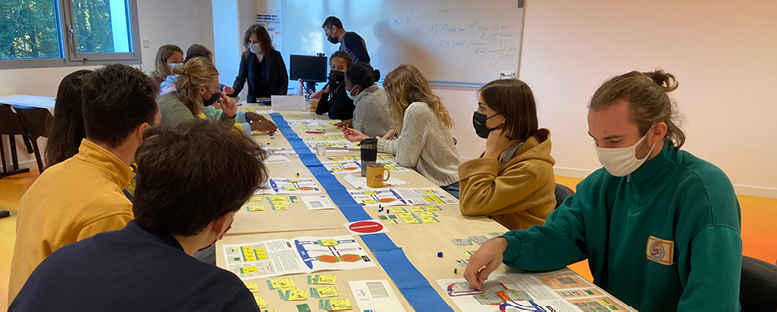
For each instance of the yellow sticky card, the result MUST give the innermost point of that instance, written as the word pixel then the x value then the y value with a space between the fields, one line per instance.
pixel 432 208
pixel 248 270
pixel 411 221
pixel 281 283
pixel 405 215
pixel 428 220
pixel 280 202
pixel 260 302
pixel 256 198
pixel 392 168
pixel 369 201
pixel 275 197
pixel 289 188
pixel 370 193
pixel 294 199
pixel 248 253
pixel 398 210
pixel 297 294
pixel 426 215
pixel 253 287
pixel 337 163
pixel 329 242
pixel 417 209
pixel 429 192
pixel 261 254
pixel 293 180
pixel 255 208
pixel 280 207
pixel 340 304
pixel 326 292
pixel 327 279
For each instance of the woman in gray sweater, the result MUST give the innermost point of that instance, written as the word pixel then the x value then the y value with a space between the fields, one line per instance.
pixel 423 138
pixel 372 115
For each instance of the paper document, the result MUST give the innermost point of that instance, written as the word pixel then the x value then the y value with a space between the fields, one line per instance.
pixel 361 182
pixel 561 290
pixel 318 202
pixel 375 295
pixel 298 255
pixel 288 103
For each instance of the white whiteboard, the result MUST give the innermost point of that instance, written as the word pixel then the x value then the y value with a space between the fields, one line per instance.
pixel 454 41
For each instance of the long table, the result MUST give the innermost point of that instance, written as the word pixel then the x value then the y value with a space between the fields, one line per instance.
pixel 421 243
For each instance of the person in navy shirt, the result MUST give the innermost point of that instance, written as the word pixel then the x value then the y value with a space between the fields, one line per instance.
pixel 184 202
pixel 350 42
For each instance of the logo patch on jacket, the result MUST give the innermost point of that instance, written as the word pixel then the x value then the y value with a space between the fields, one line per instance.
pixel 659 250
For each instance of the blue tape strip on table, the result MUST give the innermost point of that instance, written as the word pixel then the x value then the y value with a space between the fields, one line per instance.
pixel 378 241
pixel 413 285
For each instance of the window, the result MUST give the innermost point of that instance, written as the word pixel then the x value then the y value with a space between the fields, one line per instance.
pixel 42 33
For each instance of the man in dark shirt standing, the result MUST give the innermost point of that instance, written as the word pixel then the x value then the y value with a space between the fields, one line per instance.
pixel 350 42
pixel 184 202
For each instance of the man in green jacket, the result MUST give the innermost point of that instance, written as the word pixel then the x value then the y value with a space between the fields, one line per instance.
pixel 659 227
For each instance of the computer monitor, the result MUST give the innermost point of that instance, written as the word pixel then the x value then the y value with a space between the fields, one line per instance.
pixel 308 68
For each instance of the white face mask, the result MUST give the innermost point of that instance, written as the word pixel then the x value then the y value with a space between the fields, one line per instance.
pixel 622 161
pixel 255 48
pixel 174 65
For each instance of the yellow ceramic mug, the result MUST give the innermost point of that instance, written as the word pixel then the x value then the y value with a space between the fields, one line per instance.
pixel 375 175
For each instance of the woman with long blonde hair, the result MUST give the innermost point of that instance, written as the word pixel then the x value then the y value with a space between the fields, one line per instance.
pixel 421 127
pixel 195 87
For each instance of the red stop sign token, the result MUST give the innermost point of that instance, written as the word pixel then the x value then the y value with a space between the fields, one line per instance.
pixel 366 227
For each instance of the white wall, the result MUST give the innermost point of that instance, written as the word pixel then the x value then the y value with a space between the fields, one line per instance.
pixel 160 21
pixel 722 52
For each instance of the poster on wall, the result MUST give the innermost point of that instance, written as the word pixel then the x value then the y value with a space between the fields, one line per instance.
pixel 271 19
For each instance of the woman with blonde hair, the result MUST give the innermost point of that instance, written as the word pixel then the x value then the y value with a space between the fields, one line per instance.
pixel 167 57
pixel 422 129
pixel 195 87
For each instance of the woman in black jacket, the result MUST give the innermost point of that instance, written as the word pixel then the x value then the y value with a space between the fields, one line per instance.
pixel 262 65
pixel 334 97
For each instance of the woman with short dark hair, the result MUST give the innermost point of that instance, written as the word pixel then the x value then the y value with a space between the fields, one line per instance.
pixel 513 181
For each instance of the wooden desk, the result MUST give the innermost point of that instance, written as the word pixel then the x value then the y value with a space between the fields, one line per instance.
pixel 420 242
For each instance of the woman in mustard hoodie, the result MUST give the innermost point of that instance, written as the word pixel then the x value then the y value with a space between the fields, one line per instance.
pixel 513 181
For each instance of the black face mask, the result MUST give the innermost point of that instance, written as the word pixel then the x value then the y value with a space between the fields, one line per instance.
pixel 336 76
pixel 333 40
pixel 479 122
pixel 213 98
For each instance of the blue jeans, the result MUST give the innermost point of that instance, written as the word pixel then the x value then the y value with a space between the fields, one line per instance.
pixel 452 189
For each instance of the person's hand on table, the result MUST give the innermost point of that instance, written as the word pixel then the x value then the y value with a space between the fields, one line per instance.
pixel 496 143
pixel 484 261
pixel 255 117
pixel 353 135
pixel 263 125
pixel 228 105
pixel 389 135
pixel 345 123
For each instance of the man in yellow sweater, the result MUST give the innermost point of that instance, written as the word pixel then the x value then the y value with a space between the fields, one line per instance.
pixel 82 196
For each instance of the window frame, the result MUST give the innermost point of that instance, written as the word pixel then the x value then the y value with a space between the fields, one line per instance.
pixel 68 49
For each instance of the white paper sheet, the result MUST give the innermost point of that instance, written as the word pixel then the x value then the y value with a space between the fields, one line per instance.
pixel 318 202
pixel 288 103
pixel 299 255
pixel 361 182
pixel 376 295
pixel 560 290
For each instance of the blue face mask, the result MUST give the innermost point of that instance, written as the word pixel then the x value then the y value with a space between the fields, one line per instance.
pixel 352 96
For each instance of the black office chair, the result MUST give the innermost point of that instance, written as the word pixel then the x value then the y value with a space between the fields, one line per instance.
pixel 35 122
pixel 758 286
pixel 10 126
pixel 562 192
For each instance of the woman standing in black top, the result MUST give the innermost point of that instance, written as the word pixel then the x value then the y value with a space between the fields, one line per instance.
pixel 262 65
pixel 334 98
